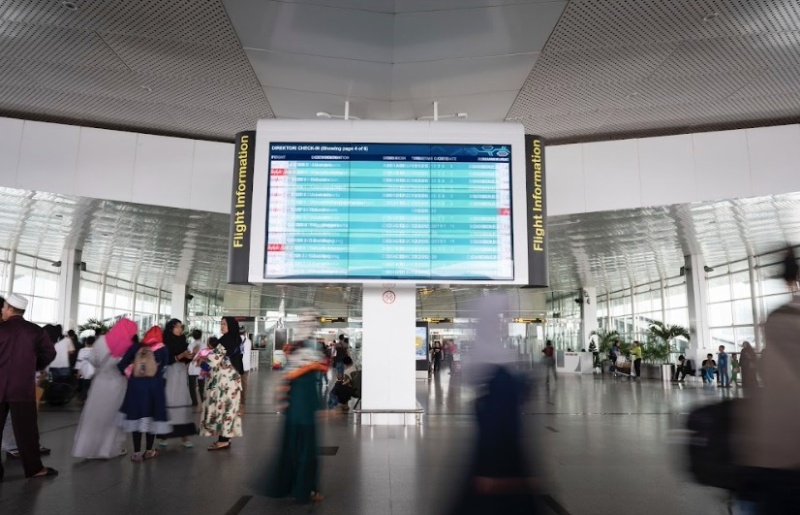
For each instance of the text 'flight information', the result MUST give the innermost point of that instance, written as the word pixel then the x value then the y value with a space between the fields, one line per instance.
pixel 389 211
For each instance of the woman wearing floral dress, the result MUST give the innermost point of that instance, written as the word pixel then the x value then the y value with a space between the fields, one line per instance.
pixel 221 416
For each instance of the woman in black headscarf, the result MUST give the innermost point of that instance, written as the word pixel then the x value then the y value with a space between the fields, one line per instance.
pixel 221 415
pixel 179 400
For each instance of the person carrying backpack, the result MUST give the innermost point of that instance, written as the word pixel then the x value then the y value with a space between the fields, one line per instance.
pixel 144 409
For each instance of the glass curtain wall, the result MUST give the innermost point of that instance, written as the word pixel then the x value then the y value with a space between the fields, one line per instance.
pixel 107 299
pixel 736 309
pixel 36 279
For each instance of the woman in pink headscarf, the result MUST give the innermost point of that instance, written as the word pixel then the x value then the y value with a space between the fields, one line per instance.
pixel 98 435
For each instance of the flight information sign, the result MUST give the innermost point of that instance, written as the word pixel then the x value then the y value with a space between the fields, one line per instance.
pixel 389 211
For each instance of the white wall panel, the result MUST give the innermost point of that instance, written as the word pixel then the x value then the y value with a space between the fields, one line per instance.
pixel 49 157
pixel 10 149
pixel 722 166
pixel 566 187
pixel 667 170
pixel 163 171
pixel 611 171
pixel 106 164
pixel 774 159
pixel 212 174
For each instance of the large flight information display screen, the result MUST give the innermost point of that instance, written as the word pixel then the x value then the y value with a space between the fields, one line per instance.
pixel 389 211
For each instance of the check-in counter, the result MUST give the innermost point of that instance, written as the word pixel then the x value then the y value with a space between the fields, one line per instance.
pixel 574 362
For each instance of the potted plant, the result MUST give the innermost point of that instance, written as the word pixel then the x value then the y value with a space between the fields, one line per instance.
pixel 661 336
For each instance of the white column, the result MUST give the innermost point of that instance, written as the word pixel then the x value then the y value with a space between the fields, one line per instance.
pixel 697 292
pixel 388 358
pixel 69 282
pixel 588 315
pixel 179 301
pixel 755 302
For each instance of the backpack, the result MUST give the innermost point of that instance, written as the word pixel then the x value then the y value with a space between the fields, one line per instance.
pixel 710 447
pixel 144 363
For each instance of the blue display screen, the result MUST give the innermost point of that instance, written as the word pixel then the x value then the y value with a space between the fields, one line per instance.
pixel 389 211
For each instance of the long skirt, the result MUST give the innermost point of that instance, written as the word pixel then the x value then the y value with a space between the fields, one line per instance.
pixel 179 402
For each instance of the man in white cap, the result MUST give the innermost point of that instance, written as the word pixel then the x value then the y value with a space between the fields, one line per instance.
pixel 24 349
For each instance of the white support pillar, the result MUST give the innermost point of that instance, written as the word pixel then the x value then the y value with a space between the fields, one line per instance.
pixel 179 301
pixel 755 302
pixel 388 355
pixel 69 282
pixel 697 292
pixel 588 315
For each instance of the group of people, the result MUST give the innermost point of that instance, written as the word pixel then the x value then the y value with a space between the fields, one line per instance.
pixel 141 387
pixel 146 390
pixel 725 371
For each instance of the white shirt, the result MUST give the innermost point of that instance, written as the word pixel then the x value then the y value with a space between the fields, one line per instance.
pixel 84 363
pixel 194 347
pixel 247 347
pixel 63 348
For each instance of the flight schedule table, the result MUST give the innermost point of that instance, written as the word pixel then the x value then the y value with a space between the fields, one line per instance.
pixel 405 211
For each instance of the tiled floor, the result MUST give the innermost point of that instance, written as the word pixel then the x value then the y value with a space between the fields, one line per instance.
pixel 602 446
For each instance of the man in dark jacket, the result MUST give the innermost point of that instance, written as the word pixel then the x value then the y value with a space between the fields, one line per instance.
pixel 24 349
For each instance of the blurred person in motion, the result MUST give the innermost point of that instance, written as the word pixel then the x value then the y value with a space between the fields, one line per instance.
pixel 98 435
pixel 549 361
pixel 221 409
pixel 772 419
pixel 247 354
pixel 144 409
pixel 296 471
pixel 749 366
pixel 499 478
pixel 735 369
pixel 179 400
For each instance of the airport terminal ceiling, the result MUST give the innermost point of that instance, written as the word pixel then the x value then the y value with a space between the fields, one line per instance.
pixel 610 250
pixel 569 71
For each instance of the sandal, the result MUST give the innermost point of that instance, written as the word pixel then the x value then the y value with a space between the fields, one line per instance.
pixel 317 497
pixel 187 444
pixel 44 451
pixel 47 472
pixel 218 446
pixel 136 457
pixel 13 454
pixel 149 455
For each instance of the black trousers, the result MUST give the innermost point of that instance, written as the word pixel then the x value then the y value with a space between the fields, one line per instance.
pixel 193 390
pixel 201 388
pixel 26 431
pixel 637 367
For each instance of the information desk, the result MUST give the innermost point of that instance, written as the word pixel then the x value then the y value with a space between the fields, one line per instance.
pixel 574 362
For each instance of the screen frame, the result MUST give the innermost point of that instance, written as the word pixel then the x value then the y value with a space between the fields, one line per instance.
pixel 387 132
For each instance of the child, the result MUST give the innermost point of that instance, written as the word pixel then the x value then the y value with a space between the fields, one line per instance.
pixel 85 369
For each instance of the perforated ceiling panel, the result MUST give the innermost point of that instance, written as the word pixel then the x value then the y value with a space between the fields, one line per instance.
pixel 618 68
pixel 173 66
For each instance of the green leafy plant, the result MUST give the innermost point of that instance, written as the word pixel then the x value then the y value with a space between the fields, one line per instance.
pixel 661 338
pixel 605 339
pixel 94 324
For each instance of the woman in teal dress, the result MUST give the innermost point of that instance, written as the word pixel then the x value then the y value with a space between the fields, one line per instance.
pixel 296 471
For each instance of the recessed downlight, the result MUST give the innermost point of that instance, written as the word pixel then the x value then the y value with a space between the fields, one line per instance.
pixel 710 17
pixel 146 88
pixel 72 6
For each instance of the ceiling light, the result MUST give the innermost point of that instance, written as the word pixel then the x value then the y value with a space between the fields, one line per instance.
pixel 72 6
pixel 632 95
pixel 710 17
pixel 146 88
